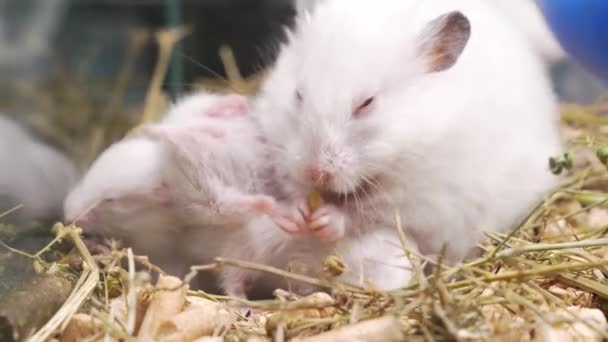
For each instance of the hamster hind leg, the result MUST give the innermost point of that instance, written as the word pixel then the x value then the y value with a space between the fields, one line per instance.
pixel 377 259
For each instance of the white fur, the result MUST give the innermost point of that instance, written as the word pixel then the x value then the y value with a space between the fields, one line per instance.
pixel 189 109
pixel 212 171
pixel 116 198
pixel 375 258
pixel 456 152
pixel 305 7
pixel 523 14
pixel 33 175
pixel 129 167
pixel 526 15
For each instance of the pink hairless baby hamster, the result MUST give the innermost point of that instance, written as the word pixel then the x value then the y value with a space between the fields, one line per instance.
pixel 434 110
pixel 187 171
pixel 219 180
pixel 218 162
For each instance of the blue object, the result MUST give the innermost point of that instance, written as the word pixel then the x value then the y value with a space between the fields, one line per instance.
pixel 581 26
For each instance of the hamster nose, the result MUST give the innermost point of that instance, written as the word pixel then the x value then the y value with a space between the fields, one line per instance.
pixel 317 175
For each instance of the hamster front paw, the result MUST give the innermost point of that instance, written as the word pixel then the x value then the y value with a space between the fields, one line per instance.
pixel 293 223
pixel 327 223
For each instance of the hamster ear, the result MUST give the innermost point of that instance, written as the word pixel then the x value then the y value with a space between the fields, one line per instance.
pixel 443 40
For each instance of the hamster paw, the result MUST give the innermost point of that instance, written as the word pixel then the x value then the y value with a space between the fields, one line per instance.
pixel 287 224
pixel 293 222
pixel 327 223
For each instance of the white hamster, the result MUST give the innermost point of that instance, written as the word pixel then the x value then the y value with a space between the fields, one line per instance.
pixel 436 109
pixel 34 175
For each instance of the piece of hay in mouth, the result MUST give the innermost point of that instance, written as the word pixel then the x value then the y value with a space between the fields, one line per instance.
pixel 314 199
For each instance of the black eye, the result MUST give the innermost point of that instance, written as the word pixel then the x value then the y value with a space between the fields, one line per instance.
pixel 299 96
pixel 361 108
pixel 367 102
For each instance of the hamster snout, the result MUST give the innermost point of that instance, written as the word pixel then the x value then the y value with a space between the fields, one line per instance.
pixel 333 168
pixel 340 187
pixel 317 176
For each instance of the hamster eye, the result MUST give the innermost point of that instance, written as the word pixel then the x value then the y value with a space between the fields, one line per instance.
pixel 361 109
pixel 299 96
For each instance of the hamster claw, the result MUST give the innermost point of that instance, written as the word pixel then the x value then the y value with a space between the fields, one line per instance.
pixel 287 225
pixel 327 224
pixel 305 211
pixel 293 224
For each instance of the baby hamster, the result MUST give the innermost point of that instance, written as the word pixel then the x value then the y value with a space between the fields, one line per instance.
pixel 218 161
pixel 154 186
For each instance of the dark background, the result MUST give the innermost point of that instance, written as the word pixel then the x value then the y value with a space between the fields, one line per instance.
pixel 253 28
